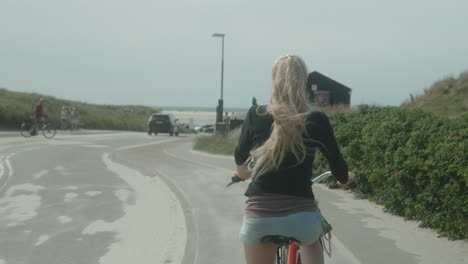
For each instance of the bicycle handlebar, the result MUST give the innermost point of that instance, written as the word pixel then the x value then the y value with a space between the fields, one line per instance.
pixel 324 175
pixel 236 179
pixel 321 176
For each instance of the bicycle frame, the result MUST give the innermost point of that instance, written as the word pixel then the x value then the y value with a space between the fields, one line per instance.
pixel 32 127
pixel 293 248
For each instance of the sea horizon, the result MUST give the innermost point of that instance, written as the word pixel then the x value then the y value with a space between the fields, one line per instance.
pixel 200 115
pixel 201 108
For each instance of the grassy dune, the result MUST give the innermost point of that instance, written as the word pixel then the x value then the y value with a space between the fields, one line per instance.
pixel 446 97
pixel 17 106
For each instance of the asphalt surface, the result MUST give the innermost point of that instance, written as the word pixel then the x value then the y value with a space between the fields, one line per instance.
pixel 129 197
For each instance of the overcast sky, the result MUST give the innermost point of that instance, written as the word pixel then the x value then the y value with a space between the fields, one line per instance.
pixel 161 53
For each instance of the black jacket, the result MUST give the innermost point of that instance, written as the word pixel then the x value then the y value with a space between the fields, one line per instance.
pixel 290 178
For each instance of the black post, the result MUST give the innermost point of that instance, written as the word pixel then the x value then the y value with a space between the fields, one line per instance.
pixel 220 108
pixel 220 103
pixel 219 111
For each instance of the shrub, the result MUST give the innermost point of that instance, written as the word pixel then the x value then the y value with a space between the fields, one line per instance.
pixel 410 161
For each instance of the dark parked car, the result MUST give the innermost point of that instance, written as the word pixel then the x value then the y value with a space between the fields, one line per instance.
pixel 162 123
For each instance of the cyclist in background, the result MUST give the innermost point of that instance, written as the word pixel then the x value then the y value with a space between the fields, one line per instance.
pixel 280 139
pixel 38 114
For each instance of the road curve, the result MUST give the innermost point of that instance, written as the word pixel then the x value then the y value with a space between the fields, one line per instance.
pixel 129 197
pixel 363 232
pixel 66 201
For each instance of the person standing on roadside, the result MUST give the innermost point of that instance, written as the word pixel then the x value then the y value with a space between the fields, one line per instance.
pixel 254 101
pixel 74 119
pixel 64 118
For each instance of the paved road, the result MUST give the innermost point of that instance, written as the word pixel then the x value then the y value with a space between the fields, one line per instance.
pixel 131 198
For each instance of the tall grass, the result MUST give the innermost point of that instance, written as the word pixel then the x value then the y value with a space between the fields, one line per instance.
pixel 218 144
pixel 446 97
pixel 17 106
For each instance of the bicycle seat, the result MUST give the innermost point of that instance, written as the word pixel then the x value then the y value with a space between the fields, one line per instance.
pixel 279 240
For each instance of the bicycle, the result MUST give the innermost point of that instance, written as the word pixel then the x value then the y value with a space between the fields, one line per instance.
pixel 29 128
pixel 288 251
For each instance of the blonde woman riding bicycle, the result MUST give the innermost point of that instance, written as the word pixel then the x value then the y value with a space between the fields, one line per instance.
pixel 280 140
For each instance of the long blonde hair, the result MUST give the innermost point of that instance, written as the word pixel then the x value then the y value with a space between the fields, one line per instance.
pixel 289 107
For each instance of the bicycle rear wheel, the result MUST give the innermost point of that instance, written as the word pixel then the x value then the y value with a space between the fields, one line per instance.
pixel 48 131
pixel 26 129
pixel 293 254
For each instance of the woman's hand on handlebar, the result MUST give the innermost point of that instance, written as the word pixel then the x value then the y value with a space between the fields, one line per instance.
pixel 243 172
pixel 234 179
pixel 351 180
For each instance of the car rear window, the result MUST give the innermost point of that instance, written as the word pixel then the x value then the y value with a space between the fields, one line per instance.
pixel 160 118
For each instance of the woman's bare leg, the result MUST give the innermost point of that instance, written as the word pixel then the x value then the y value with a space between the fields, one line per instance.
pixel 312 254
pixel 263 253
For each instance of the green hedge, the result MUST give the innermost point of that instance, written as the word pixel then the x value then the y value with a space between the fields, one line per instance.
pixel 412 162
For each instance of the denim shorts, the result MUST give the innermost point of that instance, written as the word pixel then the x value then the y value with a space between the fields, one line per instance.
pixel 304 226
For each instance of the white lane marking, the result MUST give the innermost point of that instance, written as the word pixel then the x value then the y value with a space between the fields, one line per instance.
pixel 59 168
pixel 62 170
pixel 98 227
pixel 40 174
pixel 93 193
pixel 26 187
pixel 8 164
pixel 20 203
pixel 141 229
pixel 63 219
pixel 175 185
pixel 2 169
pixel 41 240
pixel 70 197
pixel 6 160
pixel 95 146
pixel 197 229
pixel 122 194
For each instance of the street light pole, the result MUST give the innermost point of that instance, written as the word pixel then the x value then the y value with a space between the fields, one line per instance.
pixel 222 67
pixel 219 109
